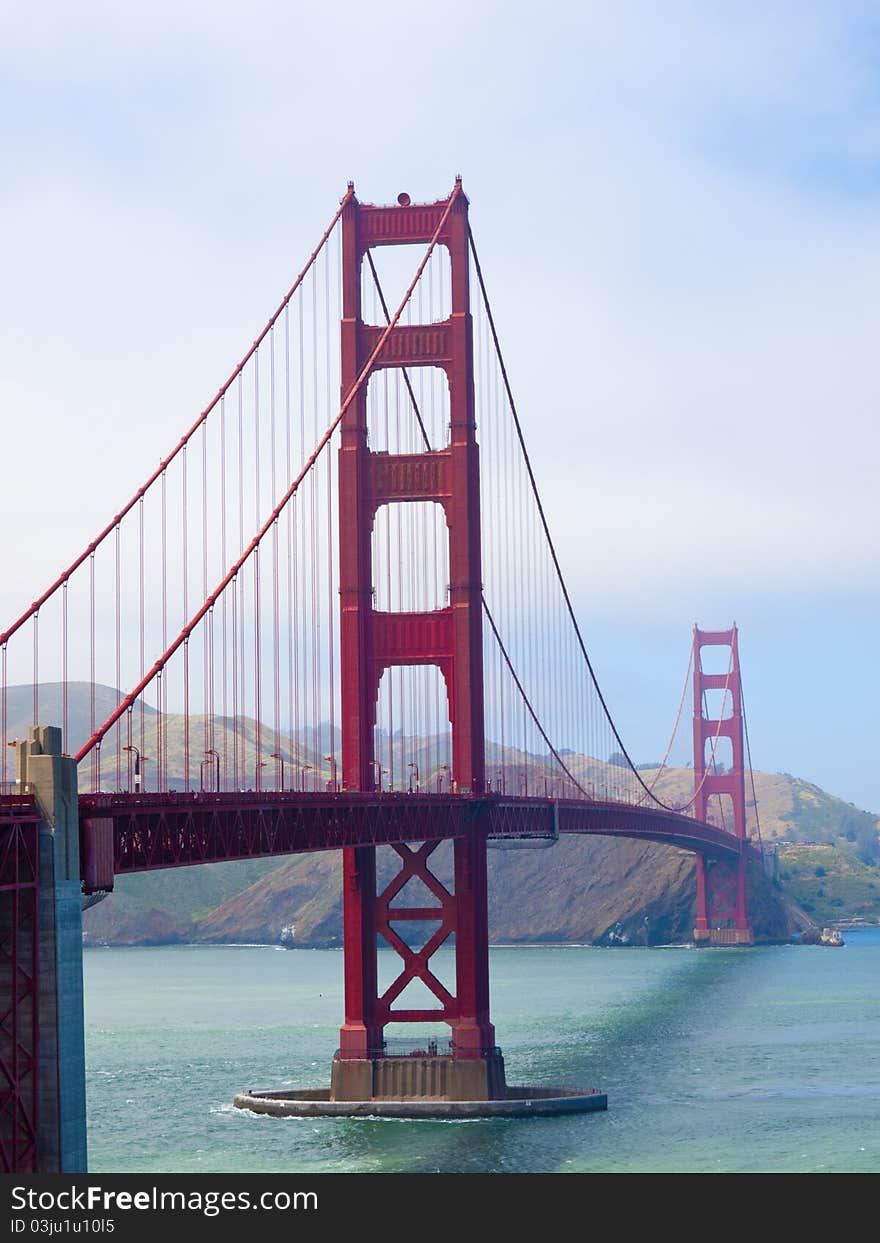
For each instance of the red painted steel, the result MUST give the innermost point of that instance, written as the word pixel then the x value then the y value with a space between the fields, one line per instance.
pixel 722 899
pixel 449 638
pixel 19 966
pixel 408 477
pixel 151 831
pixel 97 852
pixel 415 864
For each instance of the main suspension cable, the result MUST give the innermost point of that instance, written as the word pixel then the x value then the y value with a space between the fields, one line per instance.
pixel 527 702
pixel 546 528
pixel 662 766
pixel 160 470
pixel 233 572
pixel 751 769
pixel 489 617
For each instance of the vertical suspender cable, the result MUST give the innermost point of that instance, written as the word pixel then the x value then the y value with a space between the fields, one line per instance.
pixel 185 542
pixel 331 629
pixel 65 715
pixel 223 619
pixel 4 740
pixel 161 693
pixel 313 532
pixel 294 758
pixel 92 721
pixel 141 620
pixel 206 638
pixel 276 642
pixel 299 585
pixel 36 668
pixel 258 673
pixel 241 777
pixel 93 743
pixel 118 619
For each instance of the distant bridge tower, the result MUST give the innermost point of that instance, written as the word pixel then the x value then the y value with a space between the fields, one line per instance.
pixel 449 638
pixel 722 900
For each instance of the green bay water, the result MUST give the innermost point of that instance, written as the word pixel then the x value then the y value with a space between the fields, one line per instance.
pixel 763 1059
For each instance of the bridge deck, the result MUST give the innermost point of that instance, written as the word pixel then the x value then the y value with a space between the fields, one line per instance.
pixel 136 833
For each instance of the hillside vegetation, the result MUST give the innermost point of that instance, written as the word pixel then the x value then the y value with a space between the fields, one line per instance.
pixel 831 883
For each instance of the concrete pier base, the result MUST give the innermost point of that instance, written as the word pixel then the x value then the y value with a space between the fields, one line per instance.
pixel 437 1086
pixel 401 1078
pixel 520 1102
pixel 723 936
pixel 61 1075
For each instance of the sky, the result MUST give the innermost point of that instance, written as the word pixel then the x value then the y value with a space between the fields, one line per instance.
pixel 676 209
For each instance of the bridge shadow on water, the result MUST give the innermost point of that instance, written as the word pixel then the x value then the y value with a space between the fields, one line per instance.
pixel 633 1040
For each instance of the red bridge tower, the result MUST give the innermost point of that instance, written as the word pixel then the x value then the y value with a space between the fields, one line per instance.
pixel 373 641
pixel 722 910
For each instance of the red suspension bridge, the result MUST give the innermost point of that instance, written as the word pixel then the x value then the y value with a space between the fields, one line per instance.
pixel 342 622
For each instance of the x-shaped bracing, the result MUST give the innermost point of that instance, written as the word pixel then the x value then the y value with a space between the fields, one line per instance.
pixel 415 962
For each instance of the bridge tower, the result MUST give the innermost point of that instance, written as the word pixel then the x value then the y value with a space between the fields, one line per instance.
pixel 449 638
pixel 722 898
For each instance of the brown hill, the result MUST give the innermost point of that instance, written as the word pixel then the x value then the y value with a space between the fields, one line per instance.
pixel 597 890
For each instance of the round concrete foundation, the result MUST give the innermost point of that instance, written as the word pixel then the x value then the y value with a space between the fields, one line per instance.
pixel 518 1103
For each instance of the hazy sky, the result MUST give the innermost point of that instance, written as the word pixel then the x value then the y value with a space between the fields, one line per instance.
pixel 677 212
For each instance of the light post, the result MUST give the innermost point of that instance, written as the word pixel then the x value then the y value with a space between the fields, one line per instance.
pixel 306 768
pixel 444 768
pixel 215 755
pixel 261 764
pixel 415 773
pixel 332 761
pixel 379 771
pixel 280 759
pixel 137 767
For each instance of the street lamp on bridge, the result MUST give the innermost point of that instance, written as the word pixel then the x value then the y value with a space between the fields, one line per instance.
pixel 332 761
pixel 280 759
pixel 306 768
pixel 138 760
pixel 215 755
pixel 415 773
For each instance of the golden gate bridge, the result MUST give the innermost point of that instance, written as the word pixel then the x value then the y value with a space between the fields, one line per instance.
pixel 346 551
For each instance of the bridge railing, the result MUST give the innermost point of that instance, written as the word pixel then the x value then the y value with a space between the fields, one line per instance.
pixel 10 790
pixel 417 1048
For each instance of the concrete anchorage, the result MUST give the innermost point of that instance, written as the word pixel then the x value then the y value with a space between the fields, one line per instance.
pixel 62 1082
